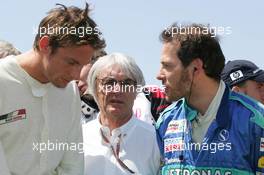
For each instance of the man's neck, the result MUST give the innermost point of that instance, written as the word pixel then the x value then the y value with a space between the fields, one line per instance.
pixel 113 122
pixel 31 62
pixel 203 95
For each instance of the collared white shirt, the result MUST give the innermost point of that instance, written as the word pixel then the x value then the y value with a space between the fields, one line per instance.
pixel 138 148
pixel 35 118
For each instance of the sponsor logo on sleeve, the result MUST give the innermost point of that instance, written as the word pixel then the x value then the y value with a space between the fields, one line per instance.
pixel 177 126
pixel 173 144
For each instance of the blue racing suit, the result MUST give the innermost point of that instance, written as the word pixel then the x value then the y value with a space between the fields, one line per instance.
pixel 233 144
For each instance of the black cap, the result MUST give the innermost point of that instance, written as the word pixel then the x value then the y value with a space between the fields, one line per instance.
pixel 238 71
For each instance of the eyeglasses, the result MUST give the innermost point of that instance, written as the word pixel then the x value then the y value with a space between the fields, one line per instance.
pixel 109 83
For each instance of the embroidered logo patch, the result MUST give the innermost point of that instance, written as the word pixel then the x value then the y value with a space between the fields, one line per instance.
pixel 173 144
pixel 13 116
pixel 177 126
pixel 223 135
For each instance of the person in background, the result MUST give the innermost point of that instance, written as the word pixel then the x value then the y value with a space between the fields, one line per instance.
pixel 208 129
pixel 244 77
pixel 89 106
pixel 40 131
pixel 7 49
pixel 115 142
pixel 82 82
pixel 150 103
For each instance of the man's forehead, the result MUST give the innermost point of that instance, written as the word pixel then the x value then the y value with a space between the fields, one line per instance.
pixel 81 54
pixel 110 72
pixel 169 51
pixel 170 48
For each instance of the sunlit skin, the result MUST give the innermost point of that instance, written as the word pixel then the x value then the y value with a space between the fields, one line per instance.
pixel 188 82
pixel 115 106
pixel 58 68
pixel 251 88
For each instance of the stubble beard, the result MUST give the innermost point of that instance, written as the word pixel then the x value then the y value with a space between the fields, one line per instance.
pixel 183 86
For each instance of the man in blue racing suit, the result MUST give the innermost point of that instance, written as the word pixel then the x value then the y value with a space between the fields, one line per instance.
pixel 209 130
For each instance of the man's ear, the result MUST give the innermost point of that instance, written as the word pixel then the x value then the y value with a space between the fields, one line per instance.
pixel 236 89
pixel 197 65
pixel 44 44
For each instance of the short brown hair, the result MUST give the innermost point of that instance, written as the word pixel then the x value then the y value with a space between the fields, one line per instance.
pixel 64 25
pixel 197 42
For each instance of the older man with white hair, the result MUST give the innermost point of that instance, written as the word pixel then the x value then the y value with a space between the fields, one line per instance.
pixel 118 143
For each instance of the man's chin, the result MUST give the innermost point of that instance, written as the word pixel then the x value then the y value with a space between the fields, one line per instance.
pixel 167 98
pixel 114 110
pixel 60 85
pixel 171 98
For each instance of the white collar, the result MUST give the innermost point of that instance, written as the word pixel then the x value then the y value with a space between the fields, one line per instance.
pixel 123 130
pixel 38 89
pixel 214 105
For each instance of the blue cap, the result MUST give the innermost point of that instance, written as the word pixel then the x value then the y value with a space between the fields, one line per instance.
pixel 238 71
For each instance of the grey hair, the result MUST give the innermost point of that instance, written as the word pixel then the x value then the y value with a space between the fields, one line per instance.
pixel 127 64
pixel 7 48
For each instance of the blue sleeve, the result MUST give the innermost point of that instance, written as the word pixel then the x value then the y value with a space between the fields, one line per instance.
pixel 159 135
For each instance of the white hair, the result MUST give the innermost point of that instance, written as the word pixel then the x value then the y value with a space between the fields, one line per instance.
pixel 127 64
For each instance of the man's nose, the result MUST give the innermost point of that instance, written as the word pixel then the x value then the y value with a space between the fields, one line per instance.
pixel 117 87
pixel 160 76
